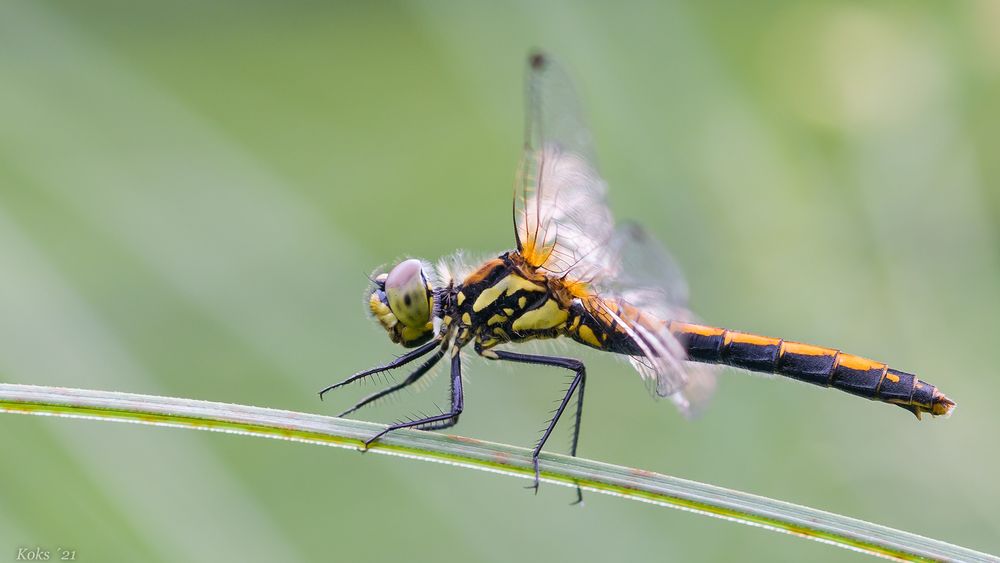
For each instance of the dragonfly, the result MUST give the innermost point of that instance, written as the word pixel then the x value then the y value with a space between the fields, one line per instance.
pixel 575 274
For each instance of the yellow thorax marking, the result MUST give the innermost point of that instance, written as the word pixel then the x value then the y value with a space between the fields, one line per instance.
pixel 496 319
pixel 547 316
pixel 511 284
pixel 588 336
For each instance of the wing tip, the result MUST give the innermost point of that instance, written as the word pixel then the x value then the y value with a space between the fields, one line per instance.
pixel 538 60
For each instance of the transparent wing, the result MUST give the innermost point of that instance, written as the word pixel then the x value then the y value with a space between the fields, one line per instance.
pixel 645 273
pixel 563 226
pixel 646 277
pixel 561 221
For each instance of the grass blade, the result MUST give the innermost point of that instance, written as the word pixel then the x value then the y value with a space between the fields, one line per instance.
pixel 595 476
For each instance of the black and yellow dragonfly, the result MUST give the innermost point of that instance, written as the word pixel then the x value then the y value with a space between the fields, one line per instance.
pixel 576 274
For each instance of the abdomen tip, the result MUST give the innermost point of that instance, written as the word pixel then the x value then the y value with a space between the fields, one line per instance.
pixel 942 406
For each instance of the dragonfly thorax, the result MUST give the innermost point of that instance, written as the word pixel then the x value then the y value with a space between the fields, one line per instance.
pixel 504 301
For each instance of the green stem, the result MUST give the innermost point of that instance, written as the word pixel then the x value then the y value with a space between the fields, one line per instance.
pixel 629 483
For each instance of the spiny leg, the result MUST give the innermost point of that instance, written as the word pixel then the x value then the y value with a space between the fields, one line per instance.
pixel 576 426
pixel 410 380
pixel 578 381
pixel 400 361
pixel 443 420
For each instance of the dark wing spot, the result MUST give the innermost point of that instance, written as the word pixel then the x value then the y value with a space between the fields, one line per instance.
pixel 537 60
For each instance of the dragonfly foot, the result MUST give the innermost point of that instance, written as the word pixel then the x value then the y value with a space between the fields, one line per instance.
pixel 534 485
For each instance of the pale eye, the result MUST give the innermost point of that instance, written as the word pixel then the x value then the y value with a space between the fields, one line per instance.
pixel 406 289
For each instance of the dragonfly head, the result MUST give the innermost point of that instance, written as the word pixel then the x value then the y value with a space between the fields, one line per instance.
pixel 402 301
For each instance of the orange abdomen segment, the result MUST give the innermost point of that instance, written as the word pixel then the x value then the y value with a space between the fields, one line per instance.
pixel 813 364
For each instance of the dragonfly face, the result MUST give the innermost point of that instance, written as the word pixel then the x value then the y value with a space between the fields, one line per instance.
pixel 402 301
pixel 574 274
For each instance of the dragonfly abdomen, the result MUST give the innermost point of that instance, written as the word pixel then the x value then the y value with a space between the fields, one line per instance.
pixel 812 364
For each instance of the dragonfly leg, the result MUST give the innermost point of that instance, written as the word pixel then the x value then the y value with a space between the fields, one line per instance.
pixel 582 375
pixel 579 382
pixel 443 420
pixel 410 380
pixel 400 361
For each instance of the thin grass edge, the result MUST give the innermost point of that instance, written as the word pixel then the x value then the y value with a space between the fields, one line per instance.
pixel 634 484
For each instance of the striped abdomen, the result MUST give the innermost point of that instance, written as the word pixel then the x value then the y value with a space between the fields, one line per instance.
pixel 812 364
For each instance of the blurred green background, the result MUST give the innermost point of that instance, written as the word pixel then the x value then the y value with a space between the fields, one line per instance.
pixel 191 195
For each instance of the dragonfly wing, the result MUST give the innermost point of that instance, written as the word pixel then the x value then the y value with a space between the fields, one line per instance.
pixel 645 276
pixel 563 227
pixel 562 223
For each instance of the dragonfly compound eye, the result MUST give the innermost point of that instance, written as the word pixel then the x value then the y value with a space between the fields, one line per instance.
pixel 408 294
